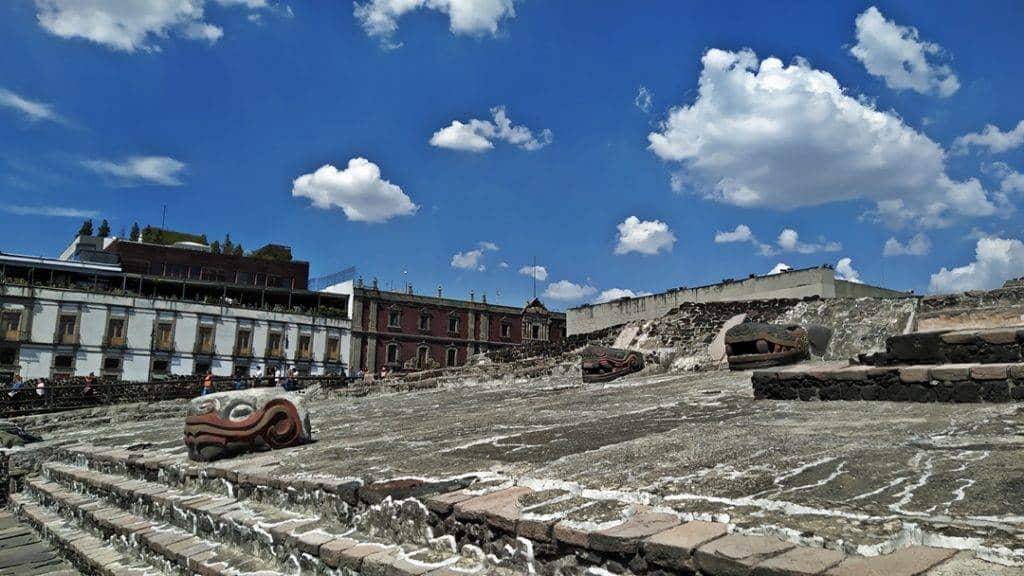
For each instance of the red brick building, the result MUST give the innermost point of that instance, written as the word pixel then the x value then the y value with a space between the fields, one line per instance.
pixel 406 331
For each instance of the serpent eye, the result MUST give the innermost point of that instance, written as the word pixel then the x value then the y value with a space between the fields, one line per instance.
pixel 240 412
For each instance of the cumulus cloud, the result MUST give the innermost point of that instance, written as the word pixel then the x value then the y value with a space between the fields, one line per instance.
pixel 136 170
pixel 845 271
pixel 358 190
pixel 780 268
pixel 897 54
pixel 643 100
pixel 644 236
pixel 538 272
pixel 993 138
pixel 565 290
pixel 742 233
pixel 53 211
pixel 919 245
pixel 473 259
pixel 995 261
pixel 617 293
pixel 789 241
pixel 379 18
pixel 31 109
pixel 480 135
pixel 763 134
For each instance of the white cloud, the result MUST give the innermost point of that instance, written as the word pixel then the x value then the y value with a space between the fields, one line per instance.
pixel 379 18
pixel 643 100
pixel 789 241
pixel 617 293
pixel 742 233
pixel 644 236
pixel 140 170
pixel 480 135
pixel 473 259
pixel 845 271
pixel 993 138
pixel 469 260
pixel 780 268
pixel 996 260
pixel 54 211
pixel 358 190
pixel 896 54
pixel 31 109
pixel 565 290
pixel 503 265
pixel 919 245
pixel 762 134
pixel 538 272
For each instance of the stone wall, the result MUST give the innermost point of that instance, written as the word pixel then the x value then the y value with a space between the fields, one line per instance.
pixel 975 309
pixel 939 383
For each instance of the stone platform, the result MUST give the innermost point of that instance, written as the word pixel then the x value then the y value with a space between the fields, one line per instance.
pixel 642 475
pixel 918 383
pixel 981 346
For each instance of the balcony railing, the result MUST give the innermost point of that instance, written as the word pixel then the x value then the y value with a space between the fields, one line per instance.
pixel 204 348
pixel 115 342
pixel 12 335
pixel 67 339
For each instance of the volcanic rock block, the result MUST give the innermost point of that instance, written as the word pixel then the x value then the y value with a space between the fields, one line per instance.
pixel 227 424
pixel 601 364
pixel 12 435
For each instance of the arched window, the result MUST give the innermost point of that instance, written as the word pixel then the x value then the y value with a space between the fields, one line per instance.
pixel 452 357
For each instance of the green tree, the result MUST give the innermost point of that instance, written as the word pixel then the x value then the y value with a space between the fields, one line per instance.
pixel 215 247
pixel 229 247
pixel 135 232
pixel 238 250
pixel 104 230
pixel 86 229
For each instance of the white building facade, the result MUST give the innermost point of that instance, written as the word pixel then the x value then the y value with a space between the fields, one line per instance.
pixel 50 332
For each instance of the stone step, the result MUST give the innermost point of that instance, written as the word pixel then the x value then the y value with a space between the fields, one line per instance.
pixel 278 537
pixel 974 346
pixel 916 383
pixel 160 544
pixel 24 552
pixel 89 553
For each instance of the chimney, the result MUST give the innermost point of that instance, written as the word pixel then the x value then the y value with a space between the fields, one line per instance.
pixel 472 296
pixel 439 291
pixel 374 282
pixel 484 300
pixel 408 288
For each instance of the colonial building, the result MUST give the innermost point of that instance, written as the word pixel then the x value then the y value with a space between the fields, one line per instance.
pixel 137 312
pixel 406 331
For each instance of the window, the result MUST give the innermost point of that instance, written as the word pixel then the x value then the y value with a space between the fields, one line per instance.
pixel 111 364
pixel 305 346
pixel 66 328
pixel 275 344
pixel 424 322
pixel 243 342
pixel 241 371
pixel 161 367
pixel 535 331
pixel 63 365
pixel 202 368
pixel 333 349
pixel 115 332
pixel 506 330
pixel 422 353
pixel 392 354
pixel 244 278
pixel 10 324
pixel 394 319
pixel 204 339
pixel 8 356
pixel 453 324
pixel 164 339
pixel 452 357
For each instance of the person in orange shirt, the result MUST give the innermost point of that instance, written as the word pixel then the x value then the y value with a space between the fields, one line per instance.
pixel 207 383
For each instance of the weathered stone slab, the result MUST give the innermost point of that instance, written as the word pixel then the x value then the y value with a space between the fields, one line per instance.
pixel 625 538
pixel 990 371
pixel 443 503
pixel 915 374
pixel 800 561
pixel 951 372
pixel 906 562
pixel 330 552
pixel 1005 336
pixel 737 555
pixel 352 558
pixel 499 509
pixel 674 548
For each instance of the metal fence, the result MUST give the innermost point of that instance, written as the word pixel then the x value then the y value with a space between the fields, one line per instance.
pixel 57 396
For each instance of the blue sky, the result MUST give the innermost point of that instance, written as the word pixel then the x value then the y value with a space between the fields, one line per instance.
pixel 218 108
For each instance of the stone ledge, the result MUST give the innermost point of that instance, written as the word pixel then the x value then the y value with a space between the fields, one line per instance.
pixel 906 562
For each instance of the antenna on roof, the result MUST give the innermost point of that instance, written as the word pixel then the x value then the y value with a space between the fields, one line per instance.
pixel 163 218
pixel 534 277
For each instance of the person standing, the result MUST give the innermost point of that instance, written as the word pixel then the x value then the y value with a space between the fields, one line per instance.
pixel 207 383
pixel 258 376
pixel 88 389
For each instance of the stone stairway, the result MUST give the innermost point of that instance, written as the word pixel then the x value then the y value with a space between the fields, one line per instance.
pixel 109 520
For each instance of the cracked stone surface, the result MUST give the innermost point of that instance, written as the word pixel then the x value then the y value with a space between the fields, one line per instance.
pixel 861 477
